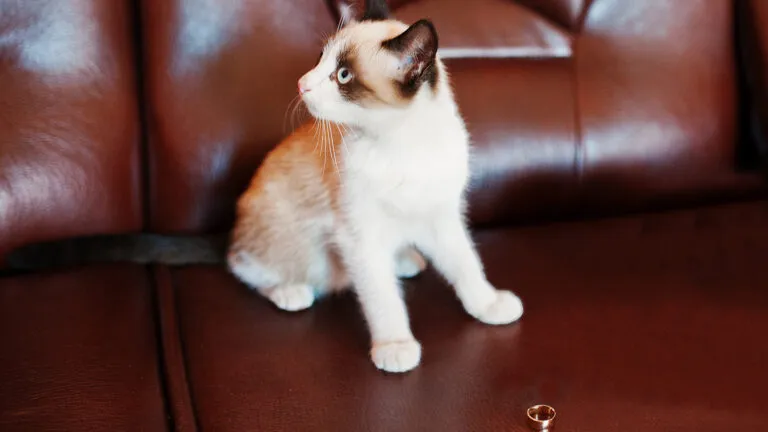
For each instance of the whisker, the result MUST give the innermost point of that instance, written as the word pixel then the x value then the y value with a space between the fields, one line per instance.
pixel 297 109
pixel 324 149
pixel 285 116
pixel 328 146
pixel 343 131
pixel 346 149
pixel 331 147
pixel 314 128
pixel 334 148
pixel 324 36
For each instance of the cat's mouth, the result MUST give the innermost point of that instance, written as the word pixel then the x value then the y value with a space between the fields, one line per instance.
pixel 313 109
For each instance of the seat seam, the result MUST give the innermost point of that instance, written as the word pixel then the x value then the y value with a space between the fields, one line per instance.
pixel 181 407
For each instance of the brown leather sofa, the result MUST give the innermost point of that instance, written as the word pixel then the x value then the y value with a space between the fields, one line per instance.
pixel 617 192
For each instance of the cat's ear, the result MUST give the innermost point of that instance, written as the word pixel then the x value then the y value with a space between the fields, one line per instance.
pixel 375 10
pixel 415 50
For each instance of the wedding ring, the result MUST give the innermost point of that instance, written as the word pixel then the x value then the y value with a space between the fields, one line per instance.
pixel 541 417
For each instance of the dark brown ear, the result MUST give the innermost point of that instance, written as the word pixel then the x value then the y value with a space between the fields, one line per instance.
pixel 375 10
pixel 416 49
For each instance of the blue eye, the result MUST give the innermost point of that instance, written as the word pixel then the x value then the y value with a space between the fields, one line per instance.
pixel 343 75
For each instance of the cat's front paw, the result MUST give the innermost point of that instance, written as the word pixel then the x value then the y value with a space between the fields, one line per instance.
pixel 505 309
pixel 396 356
pixel 292 298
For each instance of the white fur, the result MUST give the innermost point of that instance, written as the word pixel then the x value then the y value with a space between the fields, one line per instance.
pixel 404 184
pixel 404 171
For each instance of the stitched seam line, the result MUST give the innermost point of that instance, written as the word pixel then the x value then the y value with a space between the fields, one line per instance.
pixel 182 405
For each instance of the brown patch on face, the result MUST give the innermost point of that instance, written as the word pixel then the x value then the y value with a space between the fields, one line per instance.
pixel 356 90
pixel 375 54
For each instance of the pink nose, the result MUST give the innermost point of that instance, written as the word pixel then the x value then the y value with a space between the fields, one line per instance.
pixel 302 87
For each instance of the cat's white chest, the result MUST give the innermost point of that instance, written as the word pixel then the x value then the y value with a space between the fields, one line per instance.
pixel 412 176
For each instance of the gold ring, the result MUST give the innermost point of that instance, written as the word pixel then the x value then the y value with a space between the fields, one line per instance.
pixel 541 417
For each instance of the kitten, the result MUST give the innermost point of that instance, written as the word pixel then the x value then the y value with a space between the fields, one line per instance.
pixel 355 203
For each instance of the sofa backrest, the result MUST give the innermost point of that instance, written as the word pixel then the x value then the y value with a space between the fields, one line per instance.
pixel 130 115
pixel 753 44
pixel 574 105
pixel 69 123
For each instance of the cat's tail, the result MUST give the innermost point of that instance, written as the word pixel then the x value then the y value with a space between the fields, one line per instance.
pixel 129 248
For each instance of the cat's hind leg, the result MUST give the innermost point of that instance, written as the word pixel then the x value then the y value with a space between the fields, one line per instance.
pixel 409 263
pixel 291 297
pixel 287 296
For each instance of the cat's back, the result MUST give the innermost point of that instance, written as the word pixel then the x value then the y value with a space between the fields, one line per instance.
pixel 296 174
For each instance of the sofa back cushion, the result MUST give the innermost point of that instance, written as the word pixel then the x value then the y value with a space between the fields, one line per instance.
pixel 575 106
pixel 753 44
pixel 69 130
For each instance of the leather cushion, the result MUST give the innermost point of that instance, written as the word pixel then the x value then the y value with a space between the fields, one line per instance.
pixel 220 77
pixel 657 103
pixel 79 352
pixel 69 133
pixel 567 13
pixel 567 119
pixel 633 324
pixel 753 41
pixel 489 29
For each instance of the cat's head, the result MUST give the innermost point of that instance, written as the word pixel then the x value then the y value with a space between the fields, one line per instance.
pixel 373 67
